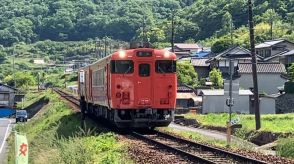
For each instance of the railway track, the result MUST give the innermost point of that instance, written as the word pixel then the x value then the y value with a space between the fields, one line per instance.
pixel 197 152
pixel 68 96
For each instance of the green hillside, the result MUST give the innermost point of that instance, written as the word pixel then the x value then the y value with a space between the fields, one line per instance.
pixel 72 20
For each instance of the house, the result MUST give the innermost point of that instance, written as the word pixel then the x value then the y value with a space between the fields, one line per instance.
pixel 287 58
pixel 273 47
pixel 214 101
pixel 269 76
pixel 186 97
pixel 7 95
pixel 185 49
pixel 277 103
pixel 201 67
pixel 39 61
pixel 222 60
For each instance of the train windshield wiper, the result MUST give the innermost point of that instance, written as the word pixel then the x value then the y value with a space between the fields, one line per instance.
pixel 128 70
pixel 160 69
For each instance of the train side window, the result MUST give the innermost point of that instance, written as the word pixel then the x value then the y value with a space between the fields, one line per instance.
pixel 122 66
pixel 165 66
pixel 144 70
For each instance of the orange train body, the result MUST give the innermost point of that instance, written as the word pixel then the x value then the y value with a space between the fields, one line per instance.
pixel 131 88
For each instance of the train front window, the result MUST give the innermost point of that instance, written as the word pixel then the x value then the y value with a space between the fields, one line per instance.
pixel 122 66
pixel 165 66
pixel 144 70
pixel 144 54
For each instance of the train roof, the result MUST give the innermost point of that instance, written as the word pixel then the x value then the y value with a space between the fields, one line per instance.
pixel 115 55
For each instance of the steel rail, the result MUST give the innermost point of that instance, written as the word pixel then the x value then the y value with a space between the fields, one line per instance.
pixel 212 149
pixel 216 151
pixel 67 96
pixel 190 156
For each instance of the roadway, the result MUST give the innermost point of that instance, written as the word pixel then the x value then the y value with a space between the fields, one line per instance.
pixel 5 129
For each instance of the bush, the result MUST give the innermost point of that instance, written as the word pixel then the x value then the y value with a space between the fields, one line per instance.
pixel 289 87
pixel 285 147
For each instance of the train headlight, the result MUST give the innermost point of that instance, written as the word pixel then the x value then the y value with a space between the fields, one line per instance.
pixel 166 54
pixel 122 54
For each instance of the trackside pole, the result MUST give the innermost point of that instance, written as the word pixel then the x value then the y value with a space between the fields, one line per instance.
pixel 83 111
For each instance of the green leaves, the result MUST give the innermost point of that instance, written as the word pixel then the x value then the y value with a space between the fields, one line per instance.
pixel 291 72
pixel 186 74
pixel 216 78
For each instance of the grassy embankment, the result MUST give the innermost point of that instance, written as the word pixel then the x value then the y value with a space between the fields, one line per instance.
pixel 279 124
pixel 207 140
pixel 54 136
pixel 29 99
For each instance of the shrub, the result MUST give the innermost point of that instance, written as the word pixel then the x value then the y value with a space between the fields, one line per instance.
pixel 285 147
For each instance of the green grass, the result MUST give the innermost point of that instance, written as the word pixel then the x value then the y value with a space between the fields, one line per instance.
pixel 285 147
pixel 29 99
pixel 207 140
pixel 55 136
pixel 279 123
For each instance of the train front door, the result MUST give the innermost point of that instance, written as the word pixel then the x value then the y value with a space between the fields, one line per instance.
pixel 144 84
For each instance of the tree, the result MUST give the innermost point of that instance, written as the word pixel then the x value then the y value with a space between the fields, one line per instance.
pixel 23 80
pixel 220 46
pixel 186 74
pixel 216 78
pixel 291 72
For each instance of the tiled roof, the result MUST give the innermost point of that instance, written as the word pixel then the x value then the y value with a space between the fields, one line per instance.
pixel 186 95
pixel 7 86
pixel 183 88
pixel 220 92
pixel 200 62
pixel 274 56
pixel 289 53
pixel 233 52
pixel 269 43
pixel 186 46
pixel 262 68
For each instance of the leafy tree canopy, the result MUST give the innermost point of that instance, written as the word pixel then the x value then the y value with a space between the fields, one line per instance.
pixel 186 74
pixel 63 20
pixel 23 80
pixel 291 72
pixel 216 78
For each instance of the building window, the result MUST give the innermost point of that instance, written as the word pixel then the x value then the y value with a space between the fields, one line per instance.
pixel 4 97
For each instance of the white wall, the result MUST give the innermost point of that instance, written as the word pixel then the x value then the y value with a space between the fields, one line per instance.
pixel 267 83
pixel 217 104
pixel 267 105
pixel 213 104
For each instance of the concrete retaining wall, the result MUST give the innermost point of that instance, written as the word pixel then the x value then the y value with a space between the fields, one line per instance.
pixel 35 107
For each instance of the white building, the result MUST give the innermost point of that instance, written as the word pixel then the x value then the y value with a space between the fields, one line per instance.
pixel 269 76
pixel 214 101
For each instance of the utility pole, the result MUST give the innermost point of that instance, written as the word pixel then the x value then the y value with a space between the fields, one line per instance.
pixel 13 70
pixel 231 31
pixel 271 24
pixel 144 30
pixel 231 87
pixel 105 46
pixel 38 81
pixel 96 48
pixel 173 32
pixel 254 66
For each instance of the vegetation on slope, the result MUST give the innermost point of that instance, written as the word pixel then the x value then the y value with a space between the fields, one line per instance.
pixel 285 147
pixel 55 136
pixel 282 123
pixel 63 20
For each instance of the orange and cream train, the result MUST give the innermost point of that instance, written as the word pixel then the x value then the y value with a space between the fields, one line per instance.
pixel 133 88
